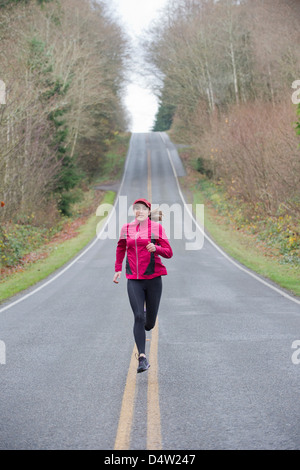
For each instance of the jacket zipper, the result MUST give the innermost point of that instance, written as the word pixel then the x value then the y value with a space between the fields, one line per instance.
pixel 137 256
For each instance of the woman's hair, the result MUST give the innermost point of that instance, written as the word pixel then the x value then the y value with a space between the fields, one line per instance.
pixel 156 215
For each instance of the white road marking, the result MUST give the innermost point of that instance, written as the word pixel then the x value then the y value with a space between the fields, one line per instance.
pixel 60 273
pixel 276 289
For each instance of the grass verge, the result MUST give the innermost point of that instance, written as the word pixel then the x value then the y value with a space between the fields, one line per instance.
pixel 58 255
pixel 49 249
pixel 244 247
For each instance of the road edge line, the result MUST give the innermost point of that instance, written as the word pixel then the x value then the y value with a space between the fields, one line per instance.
pixel 246 270
pixel 96 239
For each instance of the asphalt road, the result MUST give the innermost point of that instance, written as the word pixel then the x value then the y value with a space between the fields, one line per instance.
pixel 222 375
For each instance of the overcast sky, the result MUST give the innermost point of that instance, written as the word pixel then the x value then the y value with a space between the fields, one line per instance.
pixel 137 15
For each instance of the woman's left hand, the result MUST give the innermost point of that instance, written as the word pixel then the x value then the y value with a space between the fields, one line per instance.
pixel 151 247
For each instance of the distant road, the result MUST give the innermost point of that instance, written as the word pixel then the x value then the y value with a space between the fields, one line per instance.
pixel 223 371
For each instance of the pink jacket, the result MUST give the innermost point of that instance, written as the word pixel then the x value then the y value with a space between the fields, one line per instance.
pixel 140 264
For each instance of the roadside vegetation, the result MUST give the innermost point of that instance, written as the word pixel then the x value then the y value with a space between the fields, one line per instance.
pixel 32 252
pixel 62 125
pixel 226 71
pixel 52 255
pixel 267 246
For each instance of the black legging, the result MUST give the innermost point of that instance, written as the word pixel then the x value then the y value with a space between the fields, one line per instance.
pixel 140 291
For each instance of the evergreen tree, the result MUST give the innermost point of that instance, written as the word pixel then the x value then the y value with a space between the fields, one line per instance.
pixel 164 117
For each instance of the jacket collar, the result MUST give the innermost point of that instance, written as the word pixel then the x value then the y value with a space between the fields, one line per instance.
pixel 142 224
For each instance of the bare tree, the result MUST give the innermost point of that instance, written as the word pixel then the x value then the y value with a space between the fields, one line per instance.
pixel 63 66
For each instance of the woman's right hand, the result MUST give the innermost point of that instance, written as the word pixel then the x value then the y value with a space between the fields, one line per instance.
pixel 117 277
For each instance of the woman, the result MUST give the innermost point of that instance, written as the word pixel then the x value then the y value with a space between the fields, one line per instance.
pixel 145 241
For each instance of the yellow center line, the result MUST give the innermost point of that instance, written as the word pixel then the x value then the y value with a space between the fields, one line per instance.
pixel 153 417
pixel 153 409
pixel 122 441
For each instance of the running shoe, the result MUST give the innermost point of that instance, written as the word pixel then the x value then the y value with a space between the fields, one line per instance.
pixel 143 364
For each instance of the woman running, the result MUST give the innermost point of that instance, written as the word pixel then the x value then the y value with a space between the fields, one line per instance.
pixel 145 241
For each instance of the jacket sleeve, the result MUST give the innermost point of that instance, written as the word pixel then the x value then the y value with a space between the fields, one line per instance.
pixel 121 249
pixel 163 248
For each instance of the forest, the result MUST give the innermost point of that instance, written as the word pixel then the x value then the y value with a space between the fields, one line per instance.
pixel 225 73
pixel 63 67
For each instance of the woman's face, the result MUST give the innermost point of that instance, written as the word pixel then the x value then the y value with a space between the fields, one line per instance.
pixel 141 212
